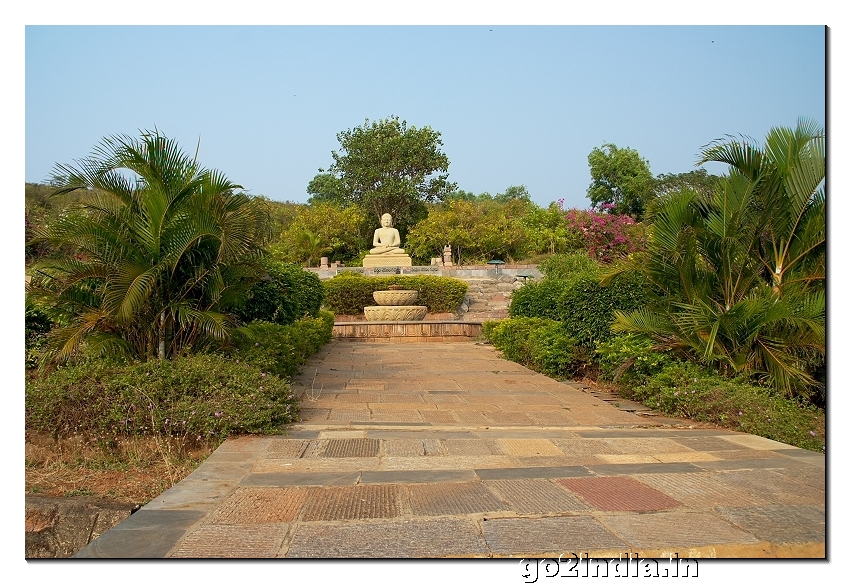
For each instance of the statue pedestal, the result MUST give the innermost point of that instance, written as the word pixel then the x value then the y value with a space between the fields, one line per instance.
pixel 393 260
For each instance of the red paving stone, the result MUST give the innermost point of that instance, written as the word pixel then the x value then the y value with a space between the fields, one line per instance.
pixel 616 493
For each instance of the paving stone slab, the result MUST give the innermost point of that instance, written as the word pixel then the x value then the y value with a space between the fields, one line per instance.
pixel 619 493
pixel 656 468
pixel 338 464
pixel 453 498
pixel 187 496
pixel 400 417
pixel 259 505
pixel 772 487
pixel 473 447
pixel 419 434
pixel 812 477
pixel 756 441
pixel 278 479
pixel 531 472
pixel 811 457
pixel 421 538
pixel 645 445
pixel 145 534
pixel 447 462
pixel 438 416
pixel 532 537
pixel 402 447
pixel 286 448
pixel 708 443
pixel 349 415
pixel 777 462
pixel 507 417
pixel 353 502
pixel 782 523
pixel 699 490
pixel 357 447
pixel 584 447
pixel 416 476
pixel 528 447
pixel 537 497
pixel 254 541
pixel 676 530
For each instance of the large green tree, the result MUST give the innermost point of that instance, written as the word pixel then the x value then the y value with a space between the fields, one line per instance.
pixel 162 249
pixel 621 181
pixel 740 271
pixel 387 167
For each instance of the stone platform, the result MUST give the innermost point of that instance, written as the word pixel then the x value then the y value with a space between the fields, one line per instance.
pixel 423 450
pixel 394 260
pixel 419 331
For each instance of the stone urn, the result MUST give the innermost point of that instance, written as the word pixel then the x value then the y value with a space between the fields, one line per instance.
pixel 395 305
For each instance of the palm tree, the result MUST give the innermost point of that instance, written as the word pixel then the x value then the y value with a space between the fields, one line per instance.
pixel 740 272
pixel 163 248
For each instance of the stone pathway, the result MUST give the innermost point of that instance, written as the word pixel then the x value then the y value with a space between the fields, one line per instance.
pixel 436 450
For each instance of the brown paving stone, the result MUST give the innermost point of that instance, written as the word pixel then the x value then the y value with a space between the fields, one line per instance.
pixel 648 446
pixel 458 408
pixel 402 447
pixel 551 417
pixel 771 487
pixel 507 418
pixel 357 398
pixel 314 464
pixel 780 523
pixel 440 398
pixel 420 538
pixel 433 447
pixel 353 502
pixel 349 415
pixel 746 454
pixel 365 385
pixel 446 462
pixel 314 415
pixel 528 447
pixel 245 444
pixel 473 417
pixel 619 493
pixel 537 497
pixel 259 505
pixel 471 447
pixel 676 530
pixel 708 443
pixel 545 536
pixel 812 477
pixel 453 498
pixel 396 416
pixel 438 416
pixel 561 460
pixel 698 490
pixel 584 447
pixel 358 447
pixel 286 448
pixel 402 398
pixel 253 541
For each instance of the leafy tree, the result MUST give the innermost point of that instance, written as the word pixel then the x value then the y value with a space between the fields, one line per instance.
pixel 513 193
pixel 168 246
pixel 386 167
pixel 621 181
pixel 343 233
pixel 741 271
pixel 698 180
pixel 326 187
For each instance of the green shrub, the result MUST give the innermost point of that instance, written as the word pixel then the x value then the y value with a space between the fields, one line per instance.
pixel 629 358
pixel 36 325
pixel 281 350
pixel 197 398
pixel 350 292
pixel 585 306
pixel 567 266
pixel 543 345
pixel 685 389
pixel 286 294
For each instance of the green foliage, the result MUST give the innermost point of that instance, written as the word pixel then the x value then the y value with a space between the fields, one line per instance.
pixel 36 326
pixel 349 293
pixel 740 273
pixel 630 359
pixel 568 266
pixel 580 302
pixel 543 345
pixel 477 231
pixel 281 350
pixel 621 181
pixel 285 294
pixel 202 398
pixel 326 188
pixel 687 390
pixel 163 248
pixel 699 180
pixel 319 228
pixel 386 167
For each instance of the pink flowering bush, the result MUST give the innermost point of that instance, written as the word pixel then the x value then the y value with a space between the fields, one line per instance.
pixel 606 236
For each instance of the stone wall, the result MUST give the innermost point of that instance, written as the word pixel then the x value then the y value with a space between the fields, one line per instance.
pixel 59 527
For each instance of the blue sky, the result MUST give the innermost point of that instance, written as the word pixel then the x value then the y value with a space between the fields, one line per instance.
pixel 514 104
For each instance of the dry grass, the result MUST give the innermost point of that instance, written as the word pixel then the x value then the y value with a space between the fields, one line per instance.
pixel 133 470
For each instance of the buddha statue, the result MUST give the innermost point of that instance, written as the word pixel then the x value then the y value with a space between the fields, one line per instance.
pixel 386 240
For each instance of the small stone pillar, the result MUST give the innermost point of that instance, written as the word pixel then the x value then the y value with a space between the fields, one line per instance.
pixel 324 263
pixel 447 255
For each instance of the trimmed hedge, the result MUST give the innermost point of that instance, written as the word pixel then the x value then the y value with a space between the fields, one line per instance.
pixel 281 350
pixel 586 307
pixel 286 294
pixel 350 292
pixel 201 398
pixel 543 345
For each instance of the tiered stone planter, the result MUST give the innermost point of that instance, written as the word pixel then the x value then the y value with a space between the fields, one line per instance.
pixel 395 306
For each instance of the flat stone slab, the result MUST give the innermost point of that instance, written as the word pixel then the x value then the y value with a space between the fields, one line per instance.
pixel 358 502
pixel 259 505
pixel 532 472
pixel 420 538
pixel 780 523
pixel 453 498
pixel 277 479
pixel 243 541
pixel 537 497
pixel 619 494
pixel 416 476
pixel 676 530
pixel 524 537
